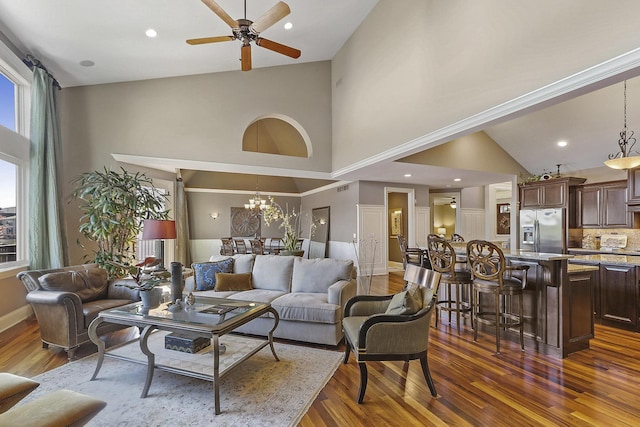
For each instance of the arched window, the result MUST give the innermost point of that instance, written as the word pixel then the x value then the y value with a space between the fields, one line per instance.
pixel 276 134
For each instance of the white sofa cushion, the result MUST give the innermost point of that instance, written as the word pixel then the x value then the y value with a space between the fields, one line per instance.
pixel 273 272
pixel 242 263
pixel 318 274
pixel 307 307
pixel 257 295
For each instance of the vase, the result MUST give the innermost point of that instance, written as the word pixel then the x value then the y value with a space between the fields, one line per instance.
pixel 151 298
pixel 285 252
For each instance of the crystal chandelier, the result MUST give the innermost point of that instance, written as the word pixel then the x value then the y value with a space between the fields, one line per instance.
pixel 624 158
pixel 256 202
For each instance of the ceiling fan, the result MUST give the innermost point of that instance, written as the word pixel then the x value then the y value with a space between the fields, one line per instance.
pixel 248 31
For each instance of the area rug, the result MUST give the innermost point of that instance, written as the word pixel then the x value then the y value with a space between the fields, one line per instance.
pixel 258 392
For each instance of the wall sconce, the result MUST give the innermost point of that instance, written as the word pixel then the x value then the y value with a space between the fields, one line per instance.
pixel 214 215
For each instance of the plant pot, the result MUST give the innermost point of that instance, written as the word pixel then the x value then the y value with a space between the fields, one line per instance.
pixel 289 253
pixel 152 298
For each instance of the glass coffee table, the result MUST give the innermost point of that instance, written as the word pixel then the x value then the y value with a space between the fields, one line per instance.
pixel 209 318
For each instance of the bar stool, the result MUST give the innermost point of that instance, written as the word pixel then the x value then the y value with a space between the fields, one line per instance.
pixel 492 275
pixel 443 260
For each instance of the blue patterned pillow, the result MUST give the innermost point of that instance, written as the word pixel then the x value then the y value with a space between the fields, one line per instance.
pixel 205 273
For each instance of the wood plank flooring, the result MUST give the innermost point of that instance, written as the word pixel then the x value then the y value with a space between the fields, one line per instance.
pixel 595 387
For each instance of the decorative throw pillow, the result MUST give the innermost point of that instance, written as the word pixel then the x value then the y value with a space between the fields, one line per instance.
pixel 205 273
pixel 408 301
pixel 233 282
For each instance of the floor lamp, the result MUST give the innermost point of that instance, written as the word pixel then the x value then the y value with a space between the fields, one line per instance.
pixel 159 229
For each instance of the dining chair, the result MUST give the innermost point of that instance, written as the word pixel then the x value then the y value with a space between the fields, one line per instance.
pixel 256 247
pixel 240 245
pixel 409 255
pixel 227 247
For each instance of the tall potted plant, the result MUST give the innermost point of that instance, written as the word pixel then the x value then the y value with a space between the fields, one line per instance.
pixel 290 222
pixel 114 204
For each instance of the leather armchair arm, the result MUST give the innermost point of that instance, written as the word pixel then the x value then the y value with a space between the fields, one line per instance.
pixel 59 314
pixel 117 291
pixel 367 305
pixel 53 298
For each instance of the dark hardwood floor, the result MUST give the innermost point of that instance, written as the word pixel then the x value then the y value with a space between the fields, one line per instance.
pixel 595 387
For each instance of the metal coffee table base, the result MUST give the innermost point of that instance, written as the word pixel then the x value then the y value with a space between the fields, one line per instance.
pixel 151 362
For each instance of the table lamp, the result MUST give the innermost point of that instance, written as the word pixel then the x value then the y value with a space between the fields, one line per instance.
pixel 159 229
pixel 442 231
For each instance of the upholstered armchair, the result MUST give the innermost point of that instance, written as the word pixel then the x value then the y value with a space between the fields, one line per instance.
pixel 375 332
pixel 66 300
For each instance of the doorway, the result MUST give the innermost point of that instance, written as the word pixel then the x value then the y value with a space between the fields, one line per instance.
pixel 399 204
pixel 445 208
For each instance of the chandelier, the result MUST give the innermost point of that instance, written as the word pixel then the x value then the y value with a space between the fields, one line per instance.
pixel 256 202
pixel 624 158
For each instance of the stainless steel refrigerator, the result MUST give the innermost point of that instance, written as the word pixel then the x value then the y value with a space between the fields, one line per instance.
pixel 543 230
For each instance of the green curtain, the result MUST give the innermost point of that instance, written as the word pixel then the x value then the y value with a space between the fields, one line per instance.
pixel 183 254
pixel 47 244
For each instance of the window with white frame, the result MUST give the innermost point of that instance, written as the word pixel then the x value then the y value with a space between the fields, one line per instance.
pixel 15 86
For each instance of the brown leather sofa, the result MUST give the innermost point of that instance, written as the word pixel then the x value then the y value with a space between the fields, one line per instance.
pixel 66 300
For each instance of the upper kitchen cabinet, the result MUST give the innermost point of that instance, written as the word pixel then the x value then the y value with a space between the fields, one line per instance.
pixel 603 205
pixel 633 189
pixel 553 193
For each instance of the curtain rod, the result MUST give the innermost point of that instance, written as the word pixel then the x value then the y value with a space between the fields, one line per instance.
pixel 32 62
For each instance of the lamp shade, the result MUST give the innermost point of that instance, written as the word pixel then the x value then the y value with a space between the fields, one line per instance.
pixel 442 230
pixel 153 229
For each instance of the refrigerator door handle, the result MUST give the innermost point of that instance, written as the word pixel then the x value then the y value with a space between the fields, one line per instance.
pixel 536 236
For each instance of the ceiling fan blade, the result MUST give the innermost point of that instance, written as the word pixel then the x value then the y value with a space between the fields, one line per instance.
pixel 270 17
pixel 215 7
pixel 210 40
pixel 245 57
pixel 277 47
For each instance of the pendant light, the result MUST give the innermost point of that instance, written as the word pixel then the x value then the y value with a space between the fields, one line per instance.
pixel 624 158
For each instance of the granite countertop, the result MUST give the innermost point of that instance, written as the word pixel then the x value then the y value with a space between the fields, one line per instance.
pixel 536 256
pixel 461 249
pixel 581 268
pixel 604 252
pixel 606 259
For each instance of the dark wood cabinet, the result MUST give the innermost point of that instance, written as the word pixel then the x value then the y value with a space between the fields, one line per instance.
pixel 618 296
pixel 553 193
pixel 603 205
pixel 633 188
pixel 581 293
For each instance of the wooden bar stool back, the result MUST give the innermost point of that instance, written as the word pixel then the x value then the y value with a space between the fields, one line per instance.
pixel 492 275
pixel 455 282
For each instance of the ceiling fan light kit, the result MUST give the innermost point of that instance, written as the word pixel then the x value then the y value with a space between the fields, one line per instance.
pixel 248 31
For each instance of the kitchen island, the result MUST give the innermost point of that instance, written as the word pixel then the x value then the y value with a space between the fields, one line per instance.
pixel 558 303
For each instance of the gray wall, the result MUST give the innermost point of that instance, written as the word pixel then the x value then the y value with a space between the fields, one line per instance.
pixel 343 220
pixel 372 193
pixel 202 226
pixel 472 198
pixel 198 117
pixel 466 57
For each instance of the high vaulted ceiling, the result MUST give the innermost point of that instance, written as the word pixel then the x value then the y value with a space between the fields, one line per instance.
pixel 64 33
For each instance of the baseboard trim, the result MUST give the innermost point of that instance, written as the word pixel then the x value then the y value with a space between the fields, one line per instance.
pixel 15 317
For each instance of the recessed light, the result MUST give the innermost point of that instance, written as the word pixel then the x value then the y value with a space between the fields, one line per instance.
pixel 407 175
pixel 457 179
pixel 288 26
pixel 151 33
pixel 562 143
pixel 87 63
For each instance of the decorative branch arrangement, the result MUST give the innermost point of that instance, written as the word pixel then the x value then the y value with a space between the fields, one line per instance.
pixel 366 255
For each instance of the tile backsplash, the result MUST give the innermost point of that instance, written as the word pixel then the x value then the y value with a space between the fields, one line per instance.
pixel 593 234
